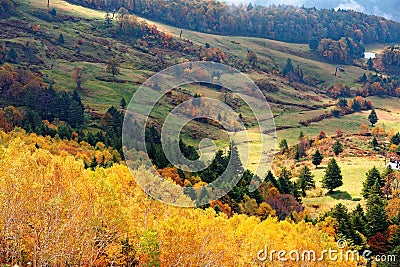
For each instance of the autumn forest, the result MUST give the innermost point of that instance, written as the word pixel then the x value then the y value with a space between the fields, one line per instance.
pixel 71 191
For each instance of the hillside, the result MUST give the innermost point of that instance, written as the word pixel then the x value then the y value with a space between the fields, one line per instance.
pixel 71 181
pixel 137 65
pixel 284 23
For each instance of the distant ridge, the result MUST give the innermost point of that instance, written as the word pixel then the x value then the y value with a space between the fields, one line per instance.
pixel 283 23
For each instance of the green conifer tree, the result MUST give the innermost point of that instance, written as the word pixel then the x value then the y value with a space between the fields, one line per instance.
pixel 333 176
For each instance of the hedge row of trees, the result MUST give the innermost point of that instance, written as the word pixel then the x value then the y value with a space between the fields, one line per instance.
pixel 284 23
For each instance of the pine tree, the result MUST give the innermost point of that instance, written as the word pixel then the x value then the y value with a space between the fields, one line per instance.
pixel 123 103
pixel 374 180
pixel 356 106
pixel 283 145
pixel 60 39
pixel 75 112
pixel 271 178
pixel 234 160
pixel 370 64
pixel 317 158
pixel 340 213
pixel 288 68
pixel 377 190
pixel 301 135
pixel 306 180
pixel 284 181
pixel 395 139
pixel 235 172
pixel 342 103
pixel 375 143
pixel 376 217
pixel 216 168
pixel 337 147
pixel 364 78
pixel 333 176
pixel 358 220
pixel 373 118
pixel 12 56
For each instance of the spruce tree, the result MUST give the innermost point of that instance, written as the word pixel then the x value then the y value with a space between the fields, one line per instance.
pixel 75 112
pixel 358 220
pixel 123 103
pixel 370 64
pixel 373 118
pixel 317 158
pixel 356 106
pixel 12 56
pixel 342 103
pixel 337 147
pixel 61 39
pixel 372 183
pixel 283 145
pixel 234 172
pixel 395 139
pixel 333 176
pixel 364 78
pixel 376 216
pixel 288 68
pixel 340 213
pixel 271 178
pixel 375 143
pixel 284 181
pixel 306 180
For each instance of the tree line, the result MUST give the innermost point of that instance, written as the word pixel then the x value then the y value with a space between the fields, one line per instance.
pixel 284 23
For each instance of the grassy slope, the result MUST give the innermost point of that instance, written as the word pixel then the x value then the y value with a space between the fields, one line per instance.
pixel 273 53
pixel 353 171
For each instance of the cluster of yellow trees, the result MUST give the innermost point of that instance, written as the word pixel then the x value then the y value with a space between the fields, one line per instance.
pixel 54 212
